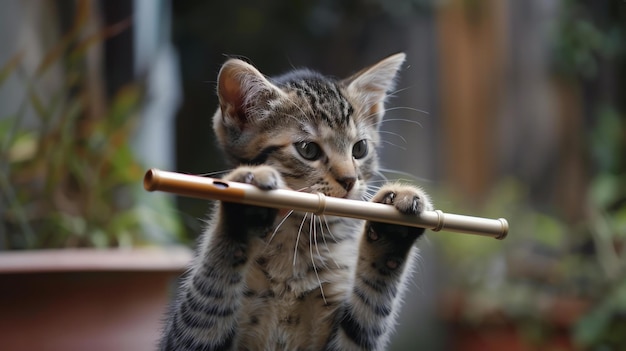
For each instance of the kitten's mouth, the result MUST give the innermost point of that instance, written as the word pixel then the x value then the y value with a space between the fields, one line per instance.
pixel 352 194
pixel 337 193
pixel 348 195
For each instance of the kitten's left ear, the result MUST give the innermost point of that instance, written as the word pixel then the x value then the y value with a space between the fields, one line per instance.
pixel 370 86
pixel 243 92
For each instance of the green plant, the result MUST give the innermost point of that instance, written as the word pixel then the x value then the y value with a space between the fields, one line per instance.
pixel 589 46
pixel 517 281
pixel 67 178
pixel 604 328
pixel 583 43
pixel 545 261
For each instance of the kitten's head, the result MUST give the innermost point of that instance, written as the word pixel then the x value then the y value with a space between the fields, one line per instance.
pixel 321 134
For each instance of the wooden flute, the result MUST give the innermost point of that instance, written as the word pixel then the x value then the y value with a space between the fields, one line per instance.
pixel 319 204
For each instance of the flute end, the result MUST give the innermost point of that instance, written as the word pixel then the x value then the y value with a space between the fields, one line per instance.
pixel 151 179
pixel 505 229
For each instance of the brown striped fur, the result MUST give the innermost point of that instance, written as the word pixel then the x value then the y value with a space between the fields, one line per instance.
pixel 276 280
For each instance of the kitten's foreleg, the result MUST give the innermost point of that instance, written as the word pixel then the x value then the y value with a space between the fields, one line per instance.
pixel 367 317
pixel 205 315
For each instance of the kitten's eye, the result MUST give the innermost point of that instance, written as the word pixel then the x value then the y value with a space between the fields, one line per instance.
pixel 359 150
pixel 309 150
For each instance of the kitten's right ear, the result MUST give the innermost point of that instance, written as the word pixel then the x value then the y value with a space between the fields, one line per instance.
pixel 242 90
pixel 370 86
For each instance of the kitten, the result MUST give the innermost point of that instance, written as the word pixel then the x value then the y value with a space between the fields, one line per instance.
pixel 281 280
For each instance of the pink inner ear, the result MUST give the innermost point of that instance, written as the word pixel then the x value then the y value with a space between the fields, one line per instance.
pixel 374 110
pixel 230 87
pixel 231 94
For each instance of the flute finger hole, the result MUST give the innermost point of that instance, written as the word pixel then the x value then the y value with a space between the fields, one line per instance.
pixel 220 185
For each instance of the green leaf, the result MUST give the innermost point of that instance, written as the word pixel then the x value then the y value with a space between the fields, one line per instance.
pixel 124 239
pixel 99 239
pixel 603 190
pixel 24 148
pixel 550 232
pixel 619 222
pixel 38 105
pixel 6 126
pixel 590 328
pixel 606 138
pixel 125 169
pixel 81 47
pixel 161 215
pixel 72 112
pixel 124 105
pixel 10 66
pixel 58 51
pixel 597 323
pixel 74 225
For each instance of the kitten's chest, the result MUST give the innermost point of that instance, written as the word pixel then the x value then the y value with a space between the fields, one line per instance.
pixel 297 279
pixel 303 255
pixel 289 313
pixel 283 271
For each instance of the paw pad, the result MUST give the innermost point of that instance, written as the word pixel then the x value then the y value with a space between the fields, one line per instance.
pixel 389 197
pixel 263 177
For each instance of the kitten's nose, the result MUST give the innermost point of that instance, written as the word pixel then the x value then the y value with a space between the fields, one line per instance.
pixel 347 182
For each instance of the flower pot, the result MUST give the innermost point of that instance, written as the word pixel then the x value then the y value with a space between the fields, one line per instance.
pixel 86 299
pixel 492 329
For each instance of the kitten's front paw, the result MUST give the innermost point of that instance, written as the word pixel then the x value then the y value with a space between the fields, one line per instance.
pixel 263 177
pixel 243 221
pixel 406 199
pixel 389 244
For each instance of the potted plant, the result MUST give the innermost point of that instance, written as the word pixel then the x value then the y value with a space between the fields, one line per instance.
pixel 77 267
pixel 558 282
pixel 551 284
pixel 604 327
pixel 521 293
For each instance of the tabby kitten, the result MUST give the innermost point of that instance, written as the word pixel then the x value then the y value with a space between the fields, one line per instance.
pixel 265 279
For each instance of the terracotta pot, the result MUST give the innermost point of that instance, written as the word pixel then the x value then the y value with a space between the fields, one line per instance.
pixel 86 299
pixel 497 331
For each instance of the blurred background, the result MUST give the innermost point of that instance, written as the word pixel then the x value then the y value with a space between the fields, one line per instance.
pixel 512 109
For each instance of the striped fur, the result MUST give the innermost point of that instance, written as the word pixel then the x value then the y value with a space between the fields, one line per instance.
pixel 275 280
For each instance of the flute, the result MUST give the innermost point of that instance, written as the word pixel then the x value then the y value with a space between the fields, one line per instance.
pixel 319 204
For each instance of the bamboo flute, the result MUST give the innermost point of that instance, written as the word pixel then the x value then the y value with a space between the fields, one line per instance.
pixel 319 204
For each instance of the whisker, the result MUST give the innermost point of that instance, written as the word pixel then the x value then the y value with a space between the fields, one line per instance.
pixel 367 197
pixel 372 190
pixel 394 134
pixel 330 254
pixel 312 231
pixel 382 175
pixel 371 182
pixel 278 226
pixel 395 145
pixel 396 119
pixel 407 108
pixel 302 113
pixel 328 228
pixel 295 250
pixel 393 93
pixel 411 177
pixel 379 123
pixel 216 173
